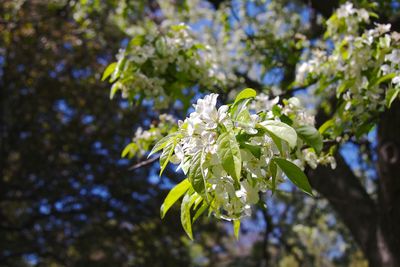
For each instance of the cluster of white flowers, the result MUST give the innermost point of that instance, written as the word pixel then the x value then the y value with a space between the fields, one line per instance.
pixel 232 153
pixel 143 139
pixel 159 65
pixel 364 69
pixel 347 17
pixel 199 135
pixel 264 102
pixel 272 26
pixel 293 109
pixel 392 62
pixel 347 11
pixel 311 66
pixel 313 160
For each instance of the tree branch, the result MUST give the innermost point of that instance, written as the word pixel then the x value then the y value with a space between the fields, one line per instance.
pixel 143 163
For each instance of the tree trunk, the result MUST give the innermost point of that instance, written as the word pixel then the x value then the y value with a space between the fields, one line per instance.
pixel 389 185
pixel 375 226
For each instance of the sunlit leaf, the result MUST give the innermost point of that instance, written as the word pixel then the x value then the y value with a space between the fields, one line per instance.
pixel 236 228
pixel 384 78
pixel 281 130
pixel 109 70
pixel 273 170
pixel 391 95
pixel 161 143
pixel 246 93
pixel 295 174
pixel 114 88
pixel 173 195
pixel 255 150
pixel 195 174
pixel 204 206
pixel 325 126
pixel 311 136
pixel 167 153
pixel 132 147
pixel 186 218
pixel 229 154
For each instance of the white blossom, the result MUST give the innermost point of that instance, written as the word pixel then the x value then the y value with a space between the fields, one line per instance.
pixel 200 132
pixel 345 10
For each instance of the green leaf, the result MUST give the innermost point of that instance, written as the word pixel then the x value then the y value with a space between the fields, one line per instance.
pixel 161 144
pixel 344 86
pixel 277 141
pixel 161 46
pixel 244 116
pixel 186 220
pixel 286 119
pixel 373 14
pixel 276 110
pixel 118 68
pixel 273 170
pixel 195 174
pixel 255 150
pixel 384 78
pixel 136 41
pixel 229 154
pixel 203 173
pixel 110 69
pixel 127 150
pixel 173 196
pixel 295 174
pixel 311 136
pixel 200 46
pixel 197 202
pixel 200 211
pixel 185 165
pixel 185 216
pixel 246 93
pixel 167 153
pixel 364 128
pixel 236 228
pixel 178 27
pixel 114 88
pixel 391 95
pixel 328 124
pixel 236 109
pixel 281 130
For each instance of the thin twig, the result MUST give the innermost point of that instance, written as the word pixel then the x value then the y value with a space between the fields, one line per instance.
pixel 143 163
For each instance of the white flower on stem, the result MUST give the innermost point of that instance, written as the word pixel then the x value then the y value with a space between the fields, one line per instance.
pixel 206 110
pixel 251 192
pixel 263 102
pixel 311 158
pixel 394 56
pixel 345 10
pixel 396 80
pixel 382 28
pixel 179 153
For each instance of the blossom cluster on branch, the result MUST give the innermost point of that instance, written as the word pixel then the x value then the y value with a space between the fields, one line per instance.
pixel 232 153
pixel 143 140
pixel 160 64
pixel 361 69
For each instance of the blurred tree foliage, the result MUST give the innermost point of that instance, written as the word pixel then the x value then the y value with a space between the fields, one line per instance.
pixel 66 196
